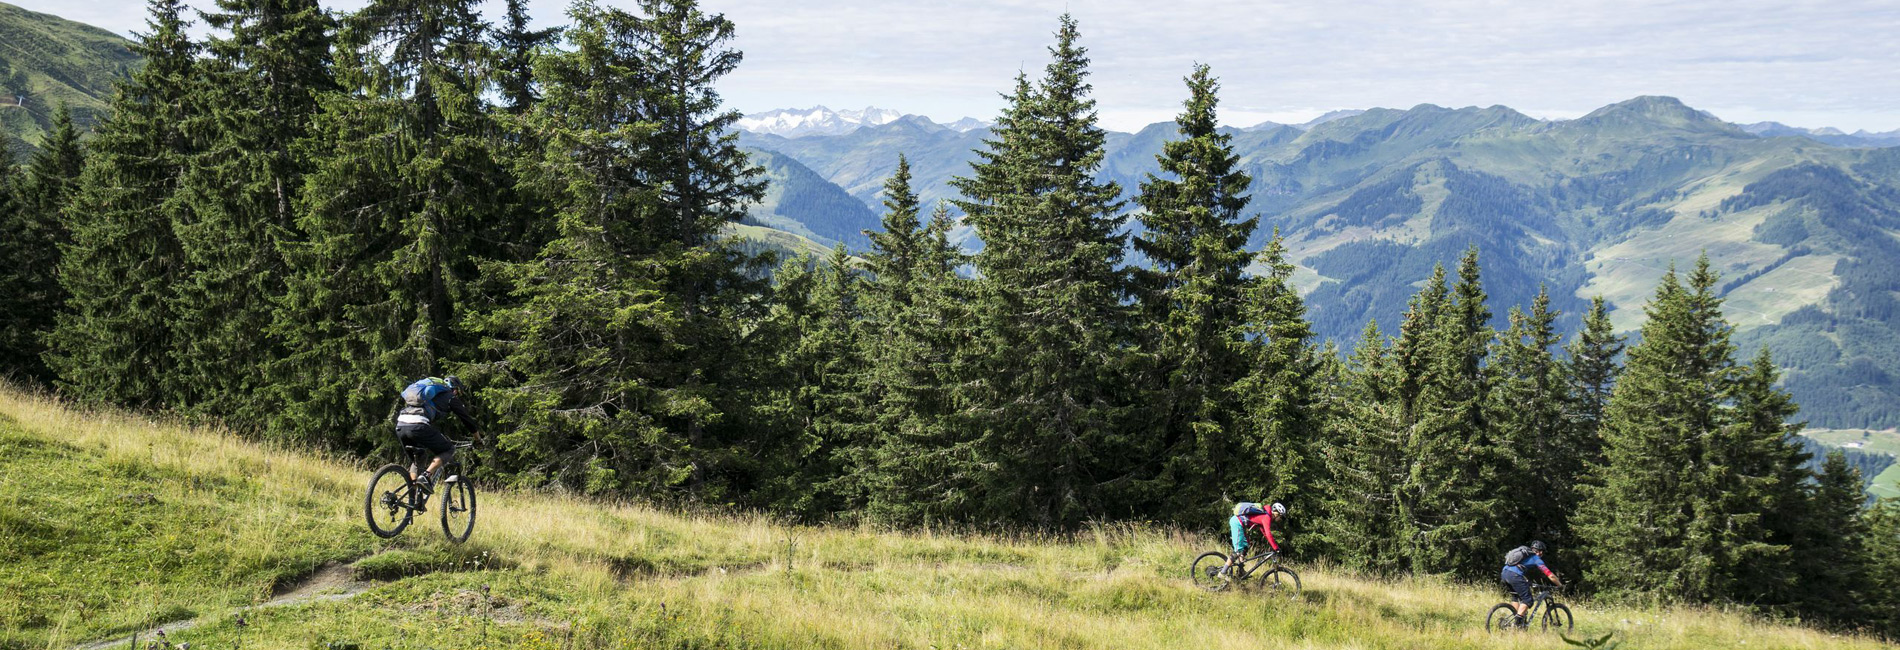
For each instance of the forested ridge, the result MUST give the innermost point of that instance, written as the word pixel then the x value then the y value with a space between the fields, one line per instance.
pixel 281 225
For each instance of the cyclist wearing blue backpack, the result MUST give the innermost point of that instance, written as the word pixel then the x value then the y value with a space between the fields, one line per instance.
pixel 424 401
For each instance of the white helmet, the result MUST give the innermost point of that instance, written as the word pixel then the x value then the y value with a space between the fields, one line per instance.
pixel 1279 510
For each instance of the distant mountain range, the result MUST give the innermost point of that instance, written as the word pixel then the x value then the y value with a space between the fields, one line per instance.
pixel 818 120
pixel 1805 232
pixel 1830 135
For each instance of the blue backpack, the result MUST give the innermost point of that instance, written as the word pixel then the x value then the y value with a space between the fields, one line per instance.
pixel 422 395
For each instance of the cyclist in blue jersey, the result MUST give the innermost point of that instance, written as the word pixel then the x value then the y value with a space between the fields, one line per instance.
pixel 1515 562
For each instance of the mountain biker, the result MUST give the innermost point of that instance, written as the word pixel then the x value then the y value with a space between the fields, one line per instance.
pixel 423 402
pixel 1248 514
pixel 1529 555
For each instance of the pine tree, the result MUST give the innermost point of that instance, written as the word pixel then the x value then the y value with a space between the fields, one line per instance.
pixel 263 79
pixel 1527 407
pixel 626 341
pixel 112 344
pixel 1052 301
pixel 1192 294
pixel 1358 523
pixel 30 293
pixel 515 47
pixel 1454 494
pixel 402 201
pixel 1280 391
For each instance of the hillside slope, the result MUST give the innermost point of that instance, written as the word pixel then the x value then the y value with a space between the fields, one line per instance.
pixel 46 60
pixel 112 525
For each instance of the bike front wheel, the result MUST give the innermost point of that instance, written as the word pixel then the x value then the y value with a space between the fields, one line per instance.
pixel 1206 572
pixel 1503 617
pixel 1557 619
pixel 458 510
pixel 1281 582
pixel 389 504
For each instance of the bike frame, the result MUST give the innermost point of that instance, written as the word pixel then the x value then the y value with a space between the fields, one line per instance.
pixel 1251 563
pixel 1542 597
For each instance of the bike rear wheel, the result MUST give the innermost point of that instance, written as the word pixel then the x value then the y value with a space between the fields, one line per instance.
pixel 458 509
pixel 1557 619
pixel 389 503
pixel 1503 617
pixel 1206 572
pixel 1281 582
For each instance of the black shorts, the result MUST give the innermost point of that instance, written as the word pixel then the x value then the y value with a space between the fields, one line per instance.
pixel 417 434
pixel 1520 586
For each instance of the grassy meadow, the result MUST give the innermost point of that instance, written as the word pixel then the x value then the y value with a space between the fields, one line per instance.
pixel 111 524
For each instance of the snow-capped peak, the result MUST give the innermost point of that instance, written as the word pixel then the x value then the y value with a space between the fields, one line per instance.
pixel 817 120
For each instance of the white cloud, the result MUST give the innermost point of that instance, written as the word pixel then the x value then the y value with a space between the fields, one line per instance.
pixel 1810 64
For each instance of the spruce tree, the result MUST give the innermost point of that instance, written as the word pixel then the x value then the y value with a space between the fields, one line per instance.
pixel 270 62
pixel 827 367
pixel 1637 506
pixel 1052 301
pixel 1527 409
pixel 922 465
pixel 1881 607
pixel 1697 497
pixel 897 248
pixel 1192 293
pixel 515 46
pixel 1358 523
pixel 1280 392
pixel 1593 370
pixel 1755 488
pixel 626 339
pixel 403 199
pixel 1831 552
pixel 123 264
pixel 30 292
pixel 1454 494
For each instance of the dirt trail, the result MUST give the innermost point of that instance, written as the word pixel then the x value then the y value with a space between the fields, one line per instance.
pixel 332 581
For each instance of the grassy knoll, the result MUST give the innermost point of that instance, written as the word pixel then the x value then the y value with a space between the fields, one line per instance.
pixel 227 522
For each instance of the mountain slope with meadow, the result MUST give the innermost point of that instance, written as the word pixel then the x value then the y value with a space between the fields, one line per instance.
pixel 107 514
pixel 45 61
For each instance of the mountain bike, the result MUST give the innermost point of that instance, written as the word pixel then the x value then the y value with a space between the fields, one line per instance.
pixel 1551 615
pixel 1210 572
pixel 395 496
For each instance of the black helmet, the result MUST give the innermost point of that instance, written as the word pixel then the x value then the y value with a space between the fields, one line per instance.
pixel 1537 545
pixel 455 383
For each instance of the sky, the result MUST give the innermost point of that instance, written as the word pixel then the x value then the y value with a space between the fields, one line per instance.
pixel 1805 63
